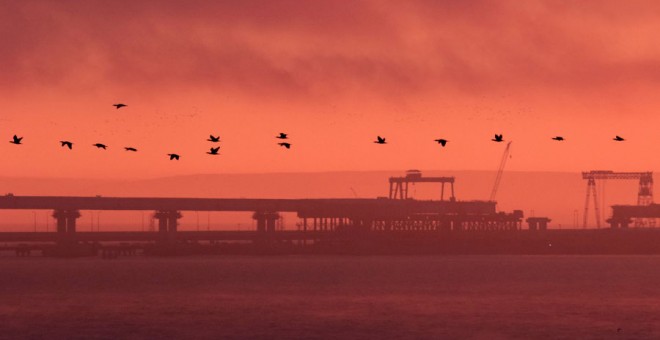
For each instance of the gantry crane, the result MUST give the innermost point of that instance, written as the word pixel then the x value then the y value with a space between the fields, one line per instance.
pixel 399 185
pixel 644 195
pixel 498 177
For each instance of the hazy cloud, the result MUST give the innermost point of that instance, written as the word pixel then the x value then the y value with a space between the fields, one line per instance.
pixel 323 47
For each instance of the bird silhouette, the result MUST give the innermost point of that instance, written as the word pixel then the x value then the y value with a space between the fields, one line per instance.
pixel 213 139
pixel 380 140
pixel 498 138
pixel 214 151
pixel 618 139
pixel 173 156
pixel 441 141
pixel 282 136
pixel 558 138
pixel 67 144
pixel 16 140
pixel 100 146
pixel 128 148
pixel 286 145
pixel 119 105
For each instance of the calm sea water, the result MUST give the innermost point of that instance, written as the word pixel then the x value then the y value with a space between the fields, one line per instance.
pixel 451 297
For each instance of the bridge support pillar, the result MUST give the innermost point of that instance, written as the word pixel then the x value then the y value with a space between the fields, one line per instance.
pixel 61 222
pixel 167 223
pixel 66 224
pixel 266 220
pixel 66 220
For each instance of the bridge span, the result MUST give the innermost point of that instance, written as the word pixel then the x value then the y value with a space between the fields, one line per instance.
pixel 327 207
pixel 320 219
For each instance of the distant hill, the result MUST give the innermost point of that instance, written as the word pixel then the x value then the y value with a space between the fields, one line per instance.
pixel 557 195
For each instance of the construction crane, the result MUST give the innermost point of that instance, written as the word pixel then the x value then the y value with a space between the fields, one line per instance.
pixel 505 156
pixel 644 195
pixel 399 185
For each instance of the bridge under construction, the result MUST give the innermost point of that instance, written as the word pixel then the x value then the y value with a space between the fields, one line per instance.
pixel 388 225
pixel 320 219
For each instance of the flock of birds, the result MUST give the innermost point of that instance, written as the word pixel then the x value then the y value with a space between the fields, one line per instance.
pixel 282 136
pixel 498 138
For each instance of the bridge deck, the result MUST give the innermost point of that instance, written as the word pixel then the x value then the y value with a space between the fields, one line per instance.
pixel 304 207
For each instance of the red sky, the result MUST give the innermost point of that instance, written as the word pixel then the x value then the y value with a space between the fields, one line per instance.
pixel 333 75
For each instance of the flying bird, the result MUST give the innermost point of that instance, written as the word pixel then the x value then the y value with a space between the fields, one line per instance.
pixel 498 138
pixel 286 145
pixel 100 146
pixel 214 151
pixel 441 141
pixel 119 105
pixel 282 136
pixel 67 144
pixel 213 139
pixel 16 140
pixel 173 156
pixel 380 140
pixel 558 138
pixel 618 139
pixel 128 148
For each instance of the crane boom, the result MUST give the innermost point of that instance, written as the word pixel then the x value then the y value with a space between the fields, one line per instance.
pixel 505 156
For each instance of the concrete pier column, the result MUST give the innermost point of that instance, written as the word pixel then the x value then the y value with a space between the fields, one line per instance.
pixel 162 224
pixel 270 224
pixel 162 217
pixel 266 220
pixel 167 223
pixel 60 217
pixel 173 222
pixel 71 218
pixel 261 224
pixel 167 220
pixel 66 220
pixel 66 225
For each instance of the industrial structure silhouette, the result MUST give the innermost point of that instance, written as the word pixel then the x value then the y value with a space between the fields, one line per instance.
pixel 334 223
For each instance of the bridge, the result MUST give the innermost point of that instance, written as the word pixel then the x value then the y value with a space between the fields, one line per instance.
pixel 316 214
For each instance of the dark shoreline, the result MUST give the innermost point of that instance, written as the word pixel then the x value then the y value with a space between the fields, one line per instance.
pixel 525 242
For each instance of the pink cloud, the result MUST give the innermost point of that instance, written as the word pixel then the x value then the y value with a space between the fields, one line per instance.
pixel 280 48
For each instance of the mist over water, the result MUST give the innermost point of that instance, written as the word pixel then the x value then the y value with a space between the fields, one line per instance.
pixel 476 297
